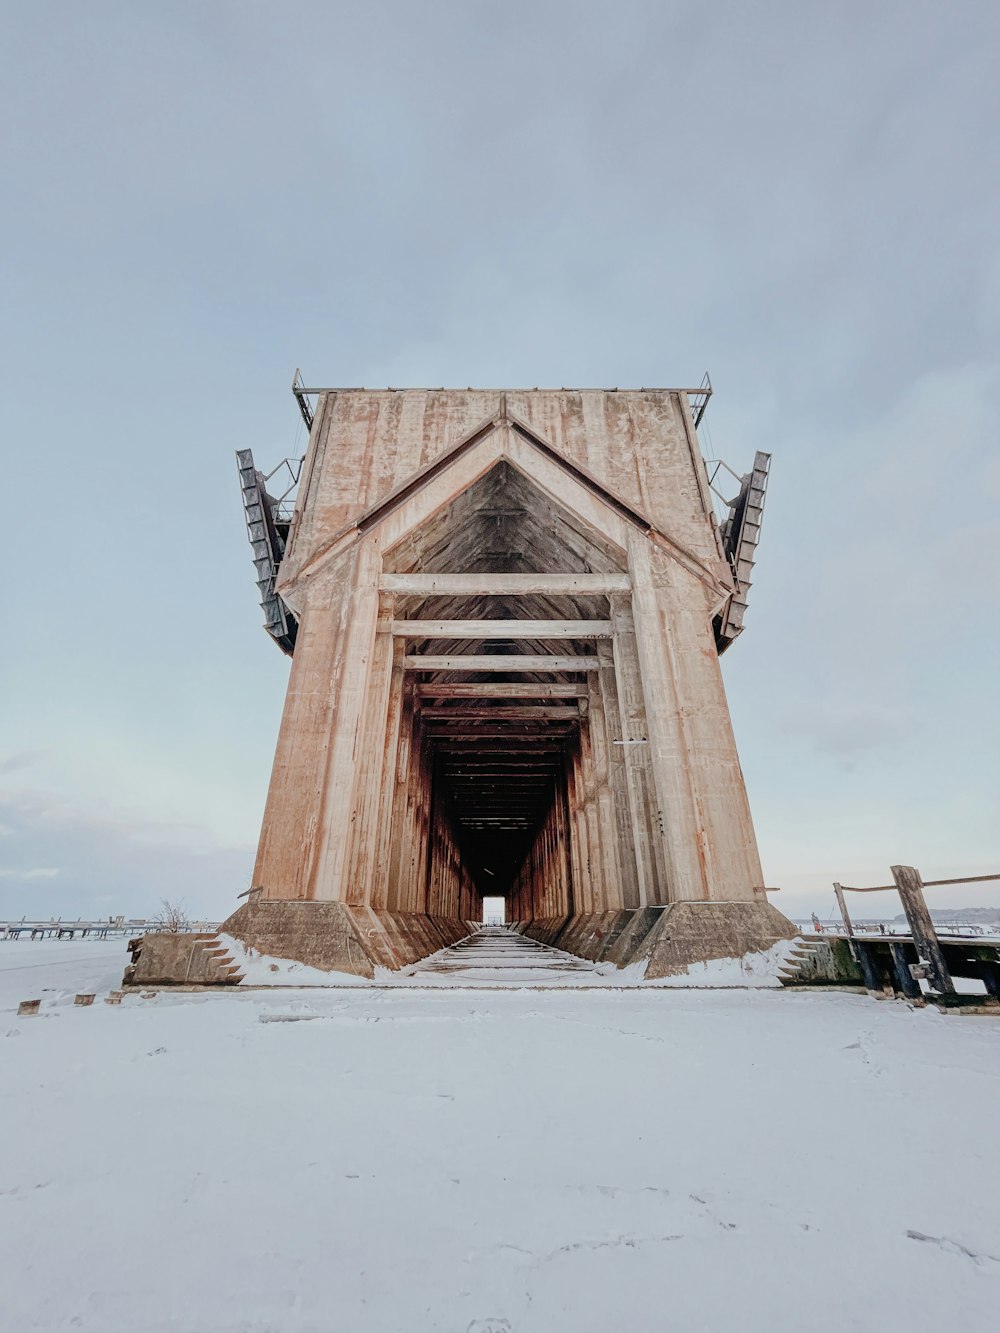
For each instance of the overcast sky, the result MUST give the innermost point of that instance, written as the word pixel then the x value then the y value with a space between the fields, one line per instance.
pixel 198 197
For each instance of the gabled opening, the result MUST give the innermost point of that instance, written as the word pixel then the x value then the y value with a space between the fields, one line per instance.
pixel 504 523
pixel 500 720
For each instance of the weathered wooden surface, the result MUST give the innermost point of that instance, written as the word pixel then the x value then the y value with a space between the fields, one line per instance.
pixel 495 585
pixel 502 629
pixel 500 662
pixel 638 445
pixel 492 689
pixel 842 904
pixel 425 759
pixel 911 891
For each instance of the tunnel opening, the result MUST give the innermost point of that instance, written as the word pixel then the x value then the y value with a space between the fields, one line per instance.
pixel 506 699
pixel 494 911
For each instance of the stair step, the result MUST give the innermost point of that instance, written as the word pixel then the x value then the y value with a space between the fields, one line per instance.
pixel 499 956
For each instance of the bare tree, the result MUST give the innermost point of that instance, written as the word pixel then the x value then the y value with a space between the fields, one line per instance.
pixel 172 916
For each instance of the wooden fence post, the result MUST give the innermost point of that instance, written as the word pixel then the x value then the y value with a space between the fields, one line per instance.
pixel 864 954
pixel 908 983
pixel 911 891
pixel 843 910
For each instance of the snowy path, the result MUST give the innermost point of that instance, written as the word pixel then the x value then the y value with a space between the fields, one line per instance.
pixel 495 956
pixel 500 1161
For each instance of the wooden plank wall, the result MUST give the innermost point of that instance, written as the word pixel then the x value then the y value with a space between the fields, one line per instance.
pixel 610 692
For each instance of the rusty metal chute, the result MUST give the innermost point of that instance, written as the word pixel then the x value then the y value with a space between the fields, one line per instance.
pixel 268 518
pixel 740 532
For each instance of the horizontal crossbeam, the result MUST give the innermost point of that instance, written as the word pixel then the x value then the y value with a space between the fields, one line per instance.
pixel 502 629
pixel 523 769
pixel 503 585
pixel 499 662
pixel 511 744
pixel 502 712
pixel 497 733
pixel 501 689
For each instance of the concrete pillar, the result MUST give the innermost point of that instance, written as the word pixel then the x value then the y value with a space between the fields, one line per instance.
pixel 707 831
pixel 604 702
pixel 636 745
pixel 350 685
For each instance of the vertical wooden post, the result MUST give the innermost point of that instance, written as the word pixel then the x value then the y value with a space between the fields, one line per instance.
pixel 604 687
pixel 991 979
pixel 386 887
pixel 911 891
pixel 356 604
pixel 870 970
pixel 843 910
pixel 633 741
pixel 908 984
pixel 365 880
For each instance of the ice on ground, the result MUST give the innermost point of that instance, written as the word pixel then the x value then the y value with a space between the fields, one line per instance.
pixel 524 1161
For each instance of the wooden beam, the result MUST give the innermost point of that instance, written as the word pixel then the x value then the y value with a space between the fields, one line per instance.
pixel 503 793
pixel 475 799
pixel 499 662
pixel 927 883
pixel 456 769
pixel 495 820
pixel 501 689
pixel 504 585
pixel 911 891
pixel 489 777
pixel 505 797
pixel 905 979
pixel 502 629
pixel 498 734
pixel 494 785
pixel 469 747
pixel 493 759
pixel 838 893
pixel 479 726
pixel 501 713
pixel 523 770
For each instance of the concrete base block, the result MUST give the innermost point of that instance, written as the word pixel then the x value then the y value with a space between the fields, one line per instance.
pixel 668 937
pixel 169 958
pixel 335 937
pixel 696 932
pixel 338 938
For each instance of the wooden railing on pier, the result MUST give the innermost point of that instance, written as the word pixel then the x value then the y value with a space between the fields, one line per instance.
pixel 935 961
pixel 58 928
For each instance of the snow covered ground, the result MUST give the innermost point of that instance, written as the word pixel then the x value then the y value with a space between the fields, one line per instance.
pixel 561 1161
pixel 498 956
